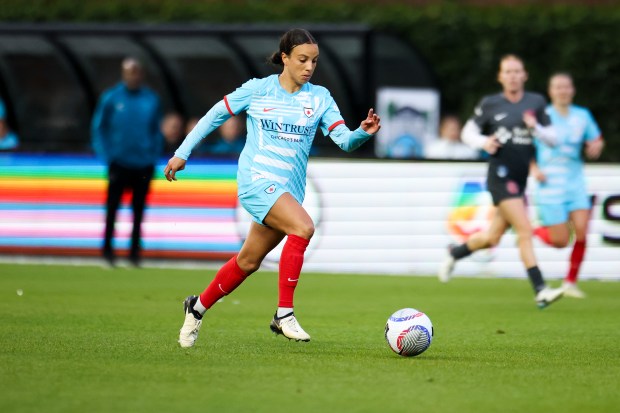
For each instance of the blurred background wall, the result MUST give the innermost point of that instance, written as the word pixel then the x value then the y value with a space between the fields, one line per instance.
pixel 456 43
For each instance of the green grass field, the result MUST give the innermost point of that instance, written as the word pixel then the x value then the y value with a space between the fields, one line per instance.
pixel 96 340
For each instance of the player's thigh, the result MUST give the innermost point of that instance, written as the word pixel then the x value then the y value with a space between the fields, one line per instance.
pixel 498 226
pixel 289 217
pixel 579 218
pixel 514 212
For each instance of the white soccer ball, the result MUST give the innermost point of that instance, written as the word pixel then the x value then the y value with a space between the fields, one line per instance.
pixel 409 332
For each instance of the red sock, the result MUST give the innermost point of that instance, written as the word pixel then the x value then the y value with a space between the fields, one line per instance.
pixel 291 261
pixel 576 258
pixel 229 277
pixel 543 234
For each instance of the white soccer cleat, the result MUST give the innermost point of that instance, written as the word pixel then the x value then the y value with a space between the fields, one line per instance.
pixel 446 267
pixel 189 332
pixel 571 290
pixel 548 295
pixel 289 328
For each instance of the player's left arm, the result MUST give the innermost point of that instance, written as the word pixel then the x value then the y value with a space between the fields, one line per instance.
pixel 595 147
pixel 594 142
pixel 539 124
pixel 333 125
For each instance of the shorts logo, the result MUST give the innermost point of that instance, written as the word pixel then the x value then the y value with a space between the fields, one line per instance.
pixel 512 187
pixel 271 189
pixel 308 112
pixel 502 171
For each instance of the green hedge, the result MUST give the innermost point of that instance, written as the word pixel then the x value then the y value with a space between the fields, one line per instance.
pixel 462 43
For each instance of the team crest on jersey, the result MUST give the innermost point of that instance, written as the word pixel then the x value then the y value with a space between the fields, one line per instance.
pixel 271 189
pixel 308 112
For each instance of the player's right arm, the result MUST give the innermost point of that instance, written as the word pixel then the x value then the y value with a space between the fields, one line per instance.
pixel 472 134
pixel 100 125
pixel 231 105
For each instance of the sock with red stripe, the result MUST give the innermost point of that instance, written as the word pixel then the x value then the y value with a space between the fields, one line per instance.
pixel 576 258
pixel 229 277
pixel 291 261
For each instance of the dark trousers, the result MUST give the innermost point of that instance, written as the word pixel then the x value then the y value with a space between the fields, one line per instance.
pixel 121 178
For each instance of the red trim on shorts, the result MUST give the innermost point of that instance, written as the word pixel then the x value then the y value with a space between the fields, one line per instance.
pixel 340 122
pixel 228 107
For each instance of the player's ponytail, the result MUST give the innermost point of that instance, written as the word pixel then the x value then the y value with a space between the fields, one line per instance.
pixel 288 42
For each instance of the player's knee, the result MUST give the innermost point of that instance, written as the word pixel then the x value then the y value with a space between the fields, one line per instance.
pixel 559 243
pixel 248 265
pixel 493 241
pixel 305 230
pixel 525 235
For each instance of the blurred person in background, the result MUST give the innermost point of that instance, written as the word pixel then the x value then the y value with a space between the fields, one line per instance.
pixel 173 129
pixel 8 139
pixel 561 196
pixel 449 145
pixel 505 125
pixel 191 124
pixel 231 140
pixel 283 112
pixel 126 136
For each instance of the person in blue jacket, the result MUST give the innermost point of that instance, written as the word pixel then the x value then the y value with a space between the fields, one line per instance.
pixel 126 135
pixel 8 139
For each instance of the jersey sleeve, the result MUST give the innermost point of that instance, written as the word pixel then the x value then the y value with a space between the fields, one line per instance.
pixel 541 112
pixel 331 117
pixel 481 114
pixel 592 131
pixel 217 115
pixel 239 100
pixel 333 124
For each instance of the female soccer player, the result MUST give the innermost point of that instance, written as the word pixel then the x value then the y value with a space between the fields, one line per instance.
pixel 283 113
pixel 561 196
pixel 505 125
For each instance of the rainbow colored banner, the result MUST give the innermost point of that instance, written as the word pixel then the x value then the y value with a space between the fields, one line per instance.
pixel 55 205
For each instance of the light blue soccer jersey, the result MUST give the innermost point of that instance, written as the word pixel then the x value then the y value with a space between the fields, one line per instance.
pixel 280 130
pixel 563 164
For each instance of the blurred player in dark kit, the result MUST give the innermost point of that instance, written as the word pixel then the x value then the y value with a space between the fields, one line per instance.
pixel 505 125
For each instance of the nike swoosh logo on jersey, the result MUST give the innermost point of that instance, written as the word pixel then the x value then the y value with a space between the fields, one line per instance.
pixel 293 280
pixel 500 116
pixel 268 109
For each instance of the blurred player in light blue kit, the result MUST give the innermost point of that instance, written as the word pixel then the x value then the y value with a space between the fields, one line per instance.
pixel 561 196
pixel 283 114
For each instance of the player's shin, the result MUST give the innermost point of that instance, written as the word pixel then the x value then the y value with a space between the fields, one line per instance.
pixel 291 262
pixel 227 279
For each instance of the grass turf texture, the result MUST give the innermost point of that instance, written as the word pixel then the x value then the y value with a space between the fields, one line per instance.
pixel 96 340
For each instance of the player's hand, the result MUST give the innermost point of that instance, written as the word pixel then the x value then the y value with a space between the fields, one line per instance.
pixel 174 165
pixel 536 172
pixel 538 175
pixel 594 148
pixel 491 145
pixel 529 118
pixel 372 123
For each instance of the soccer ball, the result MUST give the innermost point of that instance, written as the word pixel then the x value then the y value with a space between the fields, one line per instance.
pixel 409 332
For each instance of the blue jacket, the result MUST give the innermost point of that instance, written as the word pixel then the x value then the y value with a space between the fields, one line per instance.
pixel 126 127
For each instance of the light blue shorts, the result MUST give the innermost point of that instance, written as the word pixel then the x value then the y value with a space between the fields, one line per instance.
pixel 259 200
pixel 553 214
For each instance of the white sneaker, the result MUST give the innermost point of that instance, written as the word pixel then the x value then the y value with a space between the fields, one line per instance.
pixel 571 290
pixel 446 267
pixel 193 320
pixel 289 328
pixel 548 295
